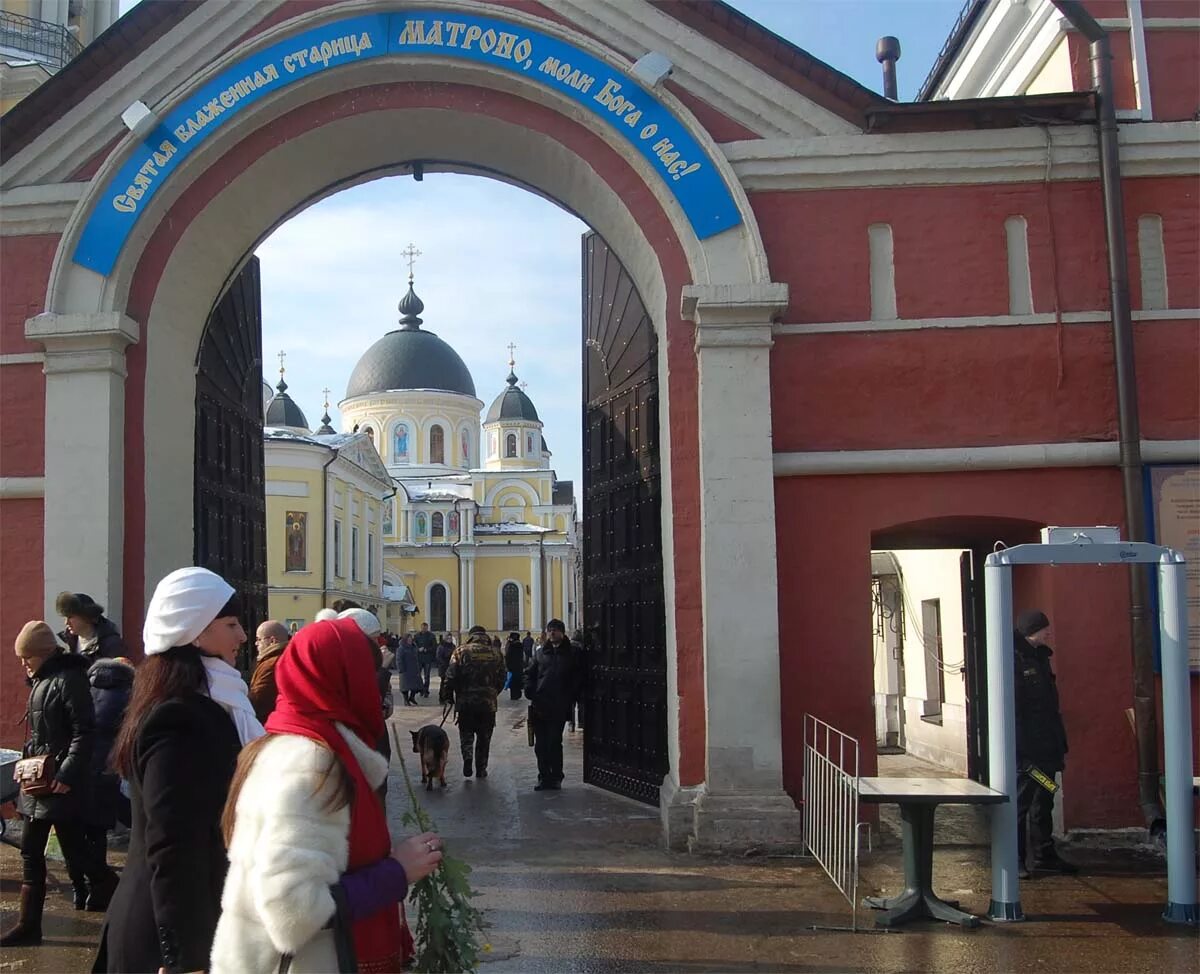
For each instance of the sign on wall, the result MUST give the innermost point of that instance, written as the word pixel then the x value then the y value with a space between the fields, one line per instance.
pixel 1175 523
pixel 605 92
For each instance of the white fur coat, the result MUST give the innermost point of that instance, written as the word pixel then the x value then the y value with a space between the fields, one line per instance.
pixel 287 850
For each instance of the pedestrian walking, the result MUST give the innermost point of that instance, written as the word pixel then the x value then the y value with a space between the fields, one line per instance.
pixel 527 644
pixel 514 661
pixel 86 630
pixel 552 683
pixel 426 655
pixel 270 641
pixel 409 663
pixel 1041 745
pixel 60 721
pixel 444 651
pixel 111 687
pixel 310 855
pixel 473 679
pixel 178 748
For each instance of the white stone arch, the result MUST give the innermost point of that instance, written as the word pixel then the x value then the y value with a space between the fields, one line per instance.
pixel 521 614
pixel 727 293
pixel 521 486
pixel 450 603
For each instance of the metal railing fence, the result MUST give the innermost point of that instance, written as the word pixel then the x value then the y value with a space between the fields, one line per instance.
pixel 37 40
pixel 831 771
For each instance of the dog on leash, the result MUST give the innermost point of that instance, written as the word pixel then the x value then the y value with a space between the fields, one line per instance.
pixel 433 744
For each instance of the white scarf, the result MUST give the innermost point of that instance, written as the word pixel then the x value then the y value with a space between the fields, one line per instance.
pixel 226 687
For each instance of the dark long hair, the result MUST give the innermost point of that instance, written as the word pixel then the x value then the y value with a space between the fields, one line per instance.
pixel 164 676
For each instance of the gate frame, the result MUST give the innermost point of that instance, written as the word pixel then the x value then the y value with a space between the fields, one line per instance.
pixel 1002 743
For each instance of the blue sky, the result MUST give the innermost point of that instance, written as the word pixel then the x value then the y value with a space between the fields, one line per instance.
pixel 500 265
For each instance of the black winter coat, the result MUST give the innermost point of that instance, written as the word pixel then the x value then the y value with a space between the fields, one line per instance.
pixel 112 684
pixel 62 723
pixel 554 680
pixel 166 907
pixel 109 646
pixel 1041 736
pixel 514 657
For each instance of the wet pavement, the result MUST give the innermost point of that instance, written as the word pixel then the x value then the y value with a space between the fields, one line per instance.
pixel 576 882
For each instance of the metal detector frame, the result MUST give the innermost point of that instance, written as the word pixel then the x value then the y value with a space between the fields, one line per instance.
pixel 1177 723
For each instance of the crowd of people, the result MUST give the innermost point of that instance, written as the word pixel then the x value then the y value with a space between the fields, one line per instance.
pixel 258 836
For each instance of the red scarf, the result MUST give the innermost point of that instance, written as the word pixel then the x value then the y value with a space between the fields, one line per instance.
pixel 326 676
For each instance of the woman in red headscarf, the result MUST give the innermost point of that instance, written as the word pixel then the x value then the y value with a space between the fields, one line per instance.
pixel 309 848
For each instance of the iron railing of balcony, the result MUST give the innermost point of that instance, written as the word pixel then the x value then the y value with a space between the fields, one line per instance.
pixel 37 40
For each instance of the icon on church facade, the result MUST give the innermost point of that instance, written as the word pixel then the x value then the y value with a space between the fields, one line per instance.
pixel 400 451
pixel 388 517
pixel 453 522
pixel 422 524
pixel 296 559
pixel 466 447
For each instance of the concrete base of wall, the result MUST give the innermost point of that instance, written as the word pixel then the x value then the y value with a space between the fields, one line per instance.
pixel 677 804
pixel 745 824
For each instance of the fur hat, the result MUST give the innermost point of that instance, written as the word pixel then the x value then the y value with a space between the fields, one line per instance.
pixel 1034 620
pixel 77 604
pixel 36 640
pixel 556 624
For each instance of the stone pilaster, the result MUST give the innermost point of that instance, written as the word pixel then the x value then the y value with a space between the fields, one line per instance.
pixel 742 803
pixel 84 470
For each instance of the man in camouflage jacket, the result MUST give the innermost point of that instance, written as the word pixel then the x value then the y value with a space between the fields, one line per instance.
pixel 473 679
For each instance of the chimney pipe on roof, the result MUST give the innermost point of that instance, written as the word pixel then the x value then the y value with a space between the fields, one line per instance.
pixel 887 53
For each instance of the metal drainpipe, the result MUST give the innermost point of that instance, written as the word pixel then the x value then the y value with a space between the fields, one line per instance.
pixel 1129 432
pixel 325 526
pixel 462 588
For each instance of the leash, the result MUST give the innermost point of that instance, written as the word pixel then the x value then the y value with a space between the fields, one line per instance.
pixel 446 709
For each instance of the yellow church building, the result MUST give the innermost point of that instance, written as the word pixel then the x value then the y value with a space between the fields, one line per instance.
pixel 424 509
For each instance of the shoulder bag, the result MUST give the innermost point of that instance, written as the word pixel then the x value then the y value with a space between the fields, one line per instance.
pixel 343 938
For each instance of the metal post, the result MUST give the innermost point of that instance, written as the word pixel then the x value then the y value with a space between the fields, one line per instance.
pixel 1177 733
pixel 1002 740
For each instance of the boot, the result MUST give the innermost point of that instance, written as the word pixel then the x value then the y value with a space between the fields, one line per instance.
pixel 102 892
pixel 1051 862
pixel 28 931
pixel 467 769
pixel 79 894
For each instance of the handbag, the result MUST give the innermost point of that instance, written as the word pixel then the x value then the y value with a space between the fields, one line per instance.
pixel 35 775
pixel 343 938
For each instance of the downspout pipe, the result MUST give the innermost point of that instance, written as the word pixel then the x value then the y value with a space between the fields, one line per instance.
pixel 333 455
pixel 1129 431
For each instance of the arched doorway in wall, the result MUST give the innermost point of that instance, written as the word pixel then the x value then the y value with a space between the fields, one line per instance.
pixel 928 642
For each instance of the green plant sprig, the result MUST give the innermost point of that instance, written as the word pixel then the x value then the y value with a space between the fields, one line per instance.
pixel 448 929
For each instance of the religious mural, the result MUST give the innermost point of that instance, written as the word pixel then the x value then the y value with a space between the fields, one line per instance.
pixel 466 447
pixel 389 507
pixel 400 442
pixel 453 522
pixel 422 523
pixel 296 557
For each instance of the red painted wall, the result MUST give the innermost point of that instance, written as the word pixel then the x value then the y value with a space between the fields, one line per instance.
pixel 21 535
pixel 25 263
pixel 824 528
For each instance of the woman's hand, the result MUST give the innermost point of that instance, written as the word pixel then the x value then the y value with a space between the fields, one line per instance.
pixel 419 855
pixel 58 788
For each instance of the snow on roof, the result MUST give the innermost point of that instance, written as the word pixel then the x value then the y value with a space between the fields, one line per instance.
pixel 440 490
pixel 397 593
pixel 511 527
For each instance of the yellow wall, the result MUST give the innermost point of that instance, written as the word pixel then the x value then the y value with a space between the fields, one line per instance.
pixel 426 570
pixel 489 573
pixel 285 606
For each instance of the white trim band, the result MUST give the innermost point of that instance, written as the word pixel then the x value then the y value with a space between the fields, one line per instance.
pixel 23 358
pixel 18 488
pixel 980 321
pixel 1024 456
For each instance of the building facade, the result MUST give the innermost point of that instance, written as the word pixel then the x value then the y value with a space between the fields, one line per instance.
pixel 880 326
pixel 39 37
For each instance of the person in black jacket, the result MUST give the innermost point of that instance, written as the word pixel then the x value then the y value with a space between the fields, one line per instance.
pixel 178 749
pixel 552 683
pixel 112 684
pixel 60 721
pixel 87 631
pixel 514 662
pixel 1041 743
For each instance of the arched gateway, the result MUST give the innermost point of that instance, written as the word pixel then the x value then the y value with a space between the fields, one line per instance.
pixel 260 110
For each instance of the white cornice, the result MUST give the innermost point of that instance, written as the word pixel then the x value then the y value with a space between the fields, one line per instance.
pixel 704 68
pixel 951 158
pixel 979 321
pixel 1023 456
pixel 29 210
pixel 19 488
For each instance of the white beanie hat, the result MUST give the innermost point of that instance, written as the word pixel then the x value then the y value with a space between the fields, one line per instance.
pixel 183 605
pixel 325 615
pixel 368 622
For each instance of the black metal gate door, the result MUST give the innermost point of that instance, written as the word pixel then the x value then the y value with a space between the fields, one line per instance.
pixel 229 500
pixel 625 711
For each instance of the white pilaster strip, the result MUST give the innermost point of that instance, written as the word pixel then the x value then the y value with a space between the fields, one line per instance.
pixel 1025 456
pixel 883 272
pixel 1141 64
pixel 1020 286
pixel 84 535
pixel 1152 259
pixel 19 488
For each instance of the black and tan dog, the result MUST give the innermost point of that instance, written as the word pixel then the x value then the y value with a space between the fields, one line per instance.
pixel 433 744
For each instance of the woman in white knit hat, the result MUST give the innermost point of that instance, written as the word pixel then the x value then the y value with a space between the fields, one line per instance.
pixel 186 722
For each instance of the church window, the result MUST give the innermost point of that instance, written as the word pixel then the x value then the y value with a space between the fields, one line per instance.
pixel 370 559
pixel 439 525
pixel 492 441
pixel 400 442
pixel 510 606
pixel 337 548
pixel 354 554
pixel 437 445
pixel 529 445
pixel 510 445
pixel 437 607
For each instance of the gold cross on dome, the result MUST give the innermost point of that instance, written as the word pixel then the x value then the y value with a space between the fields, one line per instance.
pixel 524 386
pixel 511 360
pixel 282 356
pixel 326 392
pixel 411 254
